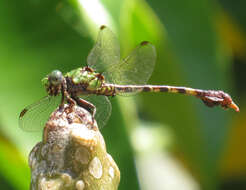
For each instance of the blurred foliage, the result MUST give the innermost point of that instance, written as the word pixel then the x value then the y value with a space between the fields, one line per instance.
pixel 200 44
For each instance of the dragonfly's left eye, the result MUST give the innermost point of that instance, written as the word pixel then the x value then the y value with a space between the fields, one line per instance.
pixel 55 77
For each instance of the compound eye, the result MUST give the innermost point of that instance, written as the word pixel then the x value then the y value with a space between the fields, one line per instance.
pixel 55 77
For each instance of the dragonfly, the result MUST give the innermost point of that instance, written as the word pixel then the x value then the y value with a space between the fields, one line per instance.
pixel 107 75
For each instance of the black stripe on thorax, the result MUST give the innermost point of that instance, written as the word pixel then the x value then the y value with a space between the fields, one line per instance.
pixel 75 88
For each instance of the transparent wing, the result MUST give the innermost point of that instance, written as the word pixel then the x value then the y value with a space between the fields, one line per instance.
pixel 103 108
pixel 33 117
pixel 106 51
pixel 134 69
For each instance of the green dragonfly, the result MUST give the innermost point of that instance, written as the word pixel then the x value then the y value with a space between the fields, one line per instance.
pixel 107 75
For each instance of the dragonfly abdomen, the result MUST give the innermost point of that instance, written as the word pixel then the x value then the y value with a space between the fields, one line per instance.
pixel 210 98
pixel 119 89
pixel 106 90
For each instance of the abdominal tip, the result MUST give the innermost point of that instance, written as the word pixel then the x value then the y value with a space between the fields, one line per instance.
pixel 234 106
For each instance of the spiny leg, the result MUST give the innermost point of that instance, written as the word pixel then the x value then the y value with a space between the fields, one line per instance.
pixel 65 94
pixel 70 101
pixel 63 98
pixel 87 105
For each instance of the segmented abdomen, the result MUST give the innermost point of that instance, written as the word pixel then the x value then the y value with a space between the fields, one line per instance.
pixel 119 89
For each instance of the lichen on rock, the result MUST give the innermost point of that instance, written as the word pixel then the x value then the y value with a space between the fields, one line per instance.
pixel 72 155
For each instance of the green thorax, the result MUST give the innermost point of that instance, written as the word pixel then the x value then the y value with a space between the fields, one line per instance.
pixel 86 77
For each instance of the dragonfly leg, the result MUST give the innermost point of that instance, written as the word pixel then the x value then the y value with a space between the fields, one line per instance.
pixel 62 101
pixel 87 105
pixel 71 104
pixel 70 101
pixel 66 95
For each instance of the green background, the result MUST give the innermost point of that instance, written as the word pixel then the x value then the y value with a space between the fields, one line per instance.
pixel 200 44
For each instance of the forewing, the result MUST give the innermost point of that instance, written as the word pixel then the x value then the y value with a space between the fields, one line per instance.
pixel 134 69
pixel 106 51
pixel 103 108
pixel 34 116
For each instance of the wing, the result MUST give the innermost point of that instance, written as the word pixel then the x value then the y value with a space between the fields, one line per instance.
pixel 103 108
pixel 33 117
pixel 134 69
pixel 106 51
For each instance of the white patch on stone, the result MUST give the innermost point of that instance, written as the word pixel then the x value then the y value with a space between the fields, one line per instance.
pixel 95 168
pixel 82 155
pixel 80 185
pixel 83 135
pixel 66 178
pixel 50 184
pixel 110 158
pixel 111 172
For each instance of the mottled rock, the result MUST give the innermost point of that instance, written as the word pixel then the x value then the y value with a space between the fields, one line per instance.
pixel 72 155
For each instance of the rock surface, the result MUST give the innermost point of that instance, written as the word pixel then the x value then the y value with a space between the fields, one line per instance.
pixel 72 155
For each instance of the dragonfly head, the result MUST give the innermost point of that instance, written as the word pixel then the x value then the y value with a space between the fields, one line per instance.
pixel 53 82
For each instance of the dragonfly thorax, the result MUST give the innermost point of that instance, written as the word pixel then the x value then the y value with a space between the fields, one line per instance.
pixel 84 78
pixel 53 82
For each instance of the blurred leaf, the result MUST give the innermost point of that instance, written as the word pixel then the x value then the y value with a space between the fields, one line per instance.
pixel 13 166
pixel 35 39
pixel 139 23
pixel 200 131
pixel 237 10
pixel 232 164
pixel 31 46
pixel 118 144
pixel 82 13
pixel 231 33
